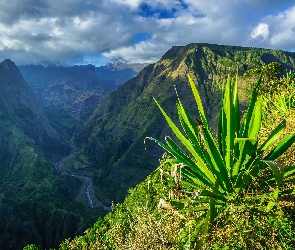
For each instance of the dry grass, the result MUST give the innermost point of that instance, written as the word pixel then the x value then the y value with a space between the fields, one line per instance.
pixel 243 230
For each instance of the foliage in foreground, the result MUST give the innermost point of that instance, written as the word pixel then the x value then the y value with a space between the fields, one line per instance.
pixel 253 221
pixel 135 224
pixel 232 171
pixel 138 223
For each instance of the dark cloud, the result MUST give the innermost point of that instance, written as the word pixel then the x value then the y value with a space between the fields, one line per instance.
pixel 15 10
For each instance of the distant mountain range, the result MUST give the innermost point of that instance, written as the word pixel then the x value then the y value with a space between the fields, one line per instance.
pixel 71 94
pixel 78 89
pixel 121 64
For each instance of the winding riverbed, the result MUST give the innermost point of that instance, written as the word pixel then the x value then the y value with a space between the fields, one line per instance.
pixel 58 165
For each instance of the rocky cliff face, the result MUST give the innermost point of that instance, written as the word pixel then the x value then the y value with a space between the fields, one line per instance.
pixel 112 141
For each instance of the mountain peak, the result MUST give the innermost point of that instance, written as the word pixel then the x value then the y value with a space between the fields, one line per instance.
pixel 8 64
pixel 118 60
pixel 116 64
pixel 121 64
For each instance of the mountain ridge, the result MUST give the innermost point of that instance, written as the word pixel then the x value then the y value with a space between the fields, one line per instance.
pixel 21 106
pixel 112 139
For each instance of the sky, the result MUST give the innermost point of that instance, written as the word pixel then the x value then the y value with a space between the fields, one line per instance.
pixel 72 32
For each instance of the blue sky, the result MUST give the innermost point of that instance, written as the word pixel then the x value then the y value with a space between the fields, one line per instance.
pixel 82 32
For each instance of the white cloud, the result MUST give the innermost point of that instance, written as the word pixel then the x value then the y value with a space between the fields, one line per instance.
pixel 133 4
pixel 143 52
pixel 283 29
pixel 261 30
pixel 277 30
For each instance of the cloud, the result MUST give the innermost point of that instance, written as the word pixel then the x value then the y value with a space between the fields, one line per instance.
pixel 261 30
pixel 32 31
pixel 143 52
pixel 245 23
pixel 67 36
pixel 277 30
pixel 282 29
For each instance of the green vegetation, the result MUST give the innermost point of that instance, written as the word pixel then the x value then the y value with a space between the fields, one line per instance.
pixel 230 191
pixel 37 204
pixel 231 173
pixel 111 140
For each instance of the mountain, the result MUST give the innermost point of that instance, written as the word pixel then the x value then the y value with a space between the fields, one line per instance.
pixel 20 107
pixel 71 94
pixel 38 204
pixel 111 142
pixel 118 71
pixel 121 64
pixel 71 88
pixel 65 88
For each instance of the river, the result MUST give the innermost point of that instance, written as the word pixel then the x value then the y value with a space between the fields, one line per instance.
pixel 89 190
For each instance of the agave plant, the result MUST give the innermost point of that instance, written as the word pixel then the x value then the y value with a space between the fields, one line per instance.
pixel 223 169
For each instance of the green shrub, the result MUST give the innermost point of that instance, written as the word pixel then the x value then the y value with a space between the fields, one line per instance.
pixel 231 171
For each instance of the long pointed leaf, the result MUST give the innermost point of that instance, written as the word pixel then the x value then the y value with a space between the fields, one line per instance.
pixel 277 169
pixel 193 179
pixel 287 191
pixel 272 201
pixel 289 171
pixel 198 175
pixel 245 128
pixel 256 120
pixel 200 167
pixel 184 141
pixel 281 147
pixel 189 128
pixel 186 118
pixel 198 101
pixel 219 165
pixel 212 195
pixel 272 138
pixel 229 119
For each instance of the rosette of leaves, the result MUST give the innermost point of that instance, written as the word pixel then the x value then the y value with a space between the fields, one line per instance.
pixel 226 169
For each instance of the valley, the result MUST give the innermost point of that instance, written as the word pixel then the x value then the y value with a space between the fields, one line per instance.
pixel 42 200
pixel 72 138
pixel 87 189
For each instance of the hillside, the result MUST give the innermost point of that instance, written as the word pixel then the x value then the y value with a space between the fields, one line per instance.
pixel 20 106
pixel 37 203
pixel 111 141
pixel 186 202
pixel 71 94
pixel 72 89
